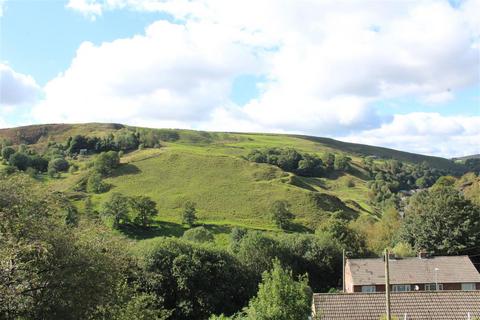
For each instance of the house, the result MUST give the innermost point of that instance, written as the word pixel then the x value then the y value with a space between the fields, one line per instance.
pixel 420 273
pixel 415 305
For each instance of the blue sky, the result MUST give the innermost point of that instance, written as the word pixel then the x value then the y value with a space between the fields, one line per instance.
pixel 411 82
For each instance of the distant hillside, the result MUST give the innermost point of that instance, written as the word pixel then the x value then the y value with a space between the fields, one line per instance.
pixel 473 156
pixel 384 153
pixel 41 134
pixel 211 169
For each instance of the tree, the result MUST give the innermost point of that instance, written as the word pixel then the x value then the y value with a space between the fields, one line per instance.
pixel 280 297
pixel 39 163
pixel 342 163
pixel 117 208
pixel 58 165
pixel 144 210
pixel 95 183
pixel 189 213
pixel 7 152
pixel 194 280
pixel 52 271
pixel 339 229
pixel 329 160
pixel 442 221
pixel 106 162
pixel 198 234
pixel 281 216
pixel 19 160
pixel 256 252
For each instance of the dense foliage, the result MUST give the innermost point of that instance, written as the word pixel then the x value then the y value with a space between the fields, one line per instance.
pixel 289 160
pixel 50 270
pixel 442 221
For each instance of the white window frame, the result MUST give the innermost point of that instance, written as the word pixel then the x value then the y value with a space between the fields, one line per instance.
pixel 369 289
pixel 469 286
pixel 433 286
pixel 401 288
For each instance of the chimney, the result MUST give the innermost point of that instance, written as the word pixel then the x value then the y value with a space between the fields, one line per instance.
pixel 422 254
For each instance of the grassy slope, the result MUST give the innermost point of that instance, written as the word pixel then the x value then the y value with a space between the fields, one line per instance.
pixel 208 168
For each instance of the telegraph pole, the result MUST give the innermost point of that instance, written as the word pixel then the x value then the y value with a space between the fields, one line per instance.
pixel 387 284
pixel 343 271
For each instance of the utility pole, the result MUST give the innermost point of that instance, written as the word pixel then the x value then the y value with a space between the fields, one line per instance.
pixel 343 271
pixel 387 284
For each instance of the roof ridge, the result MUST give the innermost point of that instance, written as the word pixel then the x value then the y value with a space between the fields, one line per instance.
pixel 398 293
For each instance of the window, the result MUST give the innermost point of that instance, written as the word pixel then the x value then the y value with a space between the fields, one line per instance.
pixel 468 286
pixel 433 286
pixel 368 289
pixel 401 287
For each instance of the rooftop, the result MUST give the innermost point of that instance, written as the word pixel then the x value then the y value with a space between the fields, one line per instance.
pixel 454 269
pixel 425 305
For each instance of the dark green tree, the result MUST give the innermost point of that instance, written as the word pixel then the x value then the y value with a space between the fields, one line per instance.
pixel 189 214
pixel 281 216
pixel 58 165
pixel 106 162
pixel 144 210
pixel 7 152
pixel 342 163
pixel 95 183
pixel 196 281
pixel 39 163
pixel 442 221
pixel 117 208
pixel 19 160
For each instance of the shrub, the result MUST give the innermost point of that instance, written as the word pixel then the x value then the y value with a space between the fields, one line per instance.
pixel 58 164
pixel 199 234
pixel 106 162
pixel 7 152
pixel 19 160
pixel 95 184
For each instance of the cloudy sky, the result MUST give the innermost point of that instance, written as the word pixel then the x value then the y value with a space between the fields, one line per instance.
pixel 400 74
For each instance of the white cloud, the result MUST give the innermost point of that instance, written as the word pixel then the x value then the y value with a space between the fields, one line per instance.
pixel 437 98
pixel 89 8
pixel 326 63
pixel 172 73
pixel 16 88
pixel 428 133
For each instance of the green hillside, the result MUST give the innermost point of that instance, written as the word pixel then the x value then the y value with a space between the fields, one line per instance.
pixel 210 169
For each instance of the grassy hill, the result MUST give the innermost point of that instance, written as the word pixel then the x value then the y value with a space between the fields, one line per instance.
pixel 209 168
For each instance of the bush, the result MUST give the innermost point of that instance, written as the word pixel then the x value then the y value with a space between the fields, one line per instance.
pixel 199 234
pixel 39 163
pixel 106 162
pixel 19 160
pixel 7 152
pixel 58 164
pixel 95 184
pixel 350 183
